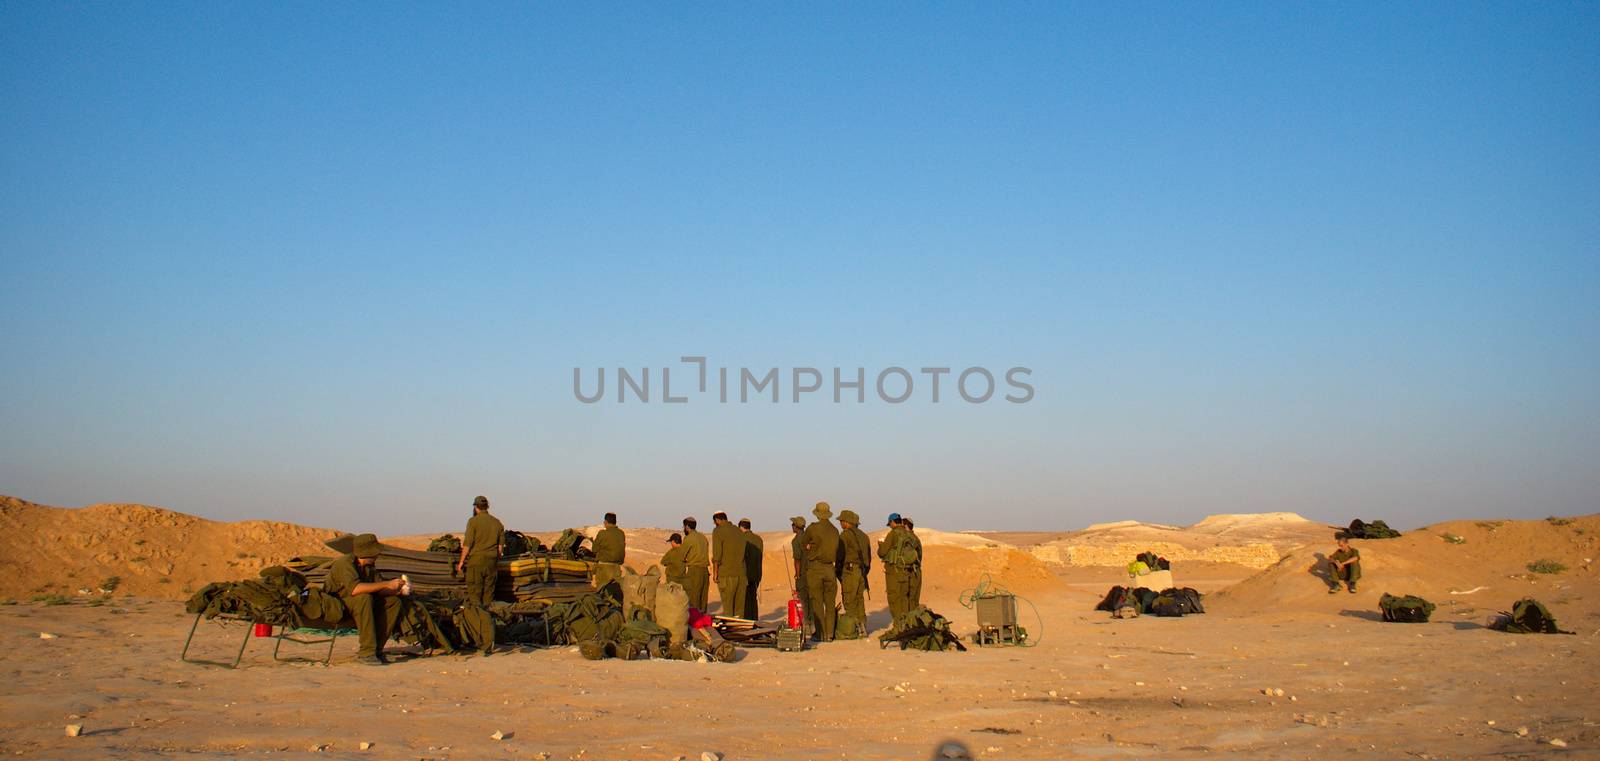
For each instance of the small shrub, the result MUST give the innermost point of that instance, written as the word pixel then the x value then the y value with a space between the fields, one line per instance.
pixel 1490 526
pixel 164 580
pixel 8 601
pixel 53 599
pixel 138 542
pixel 1554 521
pixel 1546 566
pixel 1453 538
pixel 110 584
pixel 97 602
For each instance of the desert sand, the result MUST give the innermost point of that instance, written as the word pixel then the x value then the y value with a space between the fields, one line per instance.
pixel 1193 687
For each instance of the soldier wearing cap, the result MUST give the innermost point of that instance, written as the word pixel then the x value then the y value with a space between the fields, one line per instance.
pixel 727 565
pixel 855 561
pixel 610 547
pixel 697 562
pixel 480 552
pixel 822 571
pixel 754 548
pixel 672 561
pixel 374 605
pixel 898 558
pixel 797 550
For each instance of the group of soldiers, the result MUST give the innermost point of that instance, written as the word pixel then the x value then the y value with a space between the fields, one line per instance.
pixel 831 567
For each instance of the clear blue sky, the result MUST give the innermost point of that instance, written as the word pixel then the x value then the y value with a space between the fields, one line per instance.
pixel 335 266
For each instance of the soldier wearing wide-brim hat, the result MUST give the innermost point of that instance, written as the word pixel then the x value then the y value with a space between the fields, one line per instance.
pixel 855 562
pixel 821 540
pixel 374 605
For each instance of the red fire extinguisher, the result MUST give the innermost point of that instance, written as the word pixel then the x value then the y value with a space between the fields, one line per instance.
pixel 797 613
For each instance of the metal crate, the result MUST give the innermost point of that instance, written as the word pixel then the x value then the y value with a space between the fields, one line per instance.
pixel 997 621
pixel 791 640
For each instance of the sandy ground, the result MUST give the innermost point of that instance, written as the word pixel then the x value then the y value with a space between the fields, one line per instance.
pixel 1094 687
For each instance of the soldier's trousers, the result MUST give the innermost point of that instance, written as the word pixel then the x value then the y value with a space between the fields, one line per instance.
pixel 731 588
pixel 481 570
pixel 752 607
pixel 914 589
pixel 822 589
pixel 375 616
pixel 898 590
pixel 698 584
pixel 1349 574
pixel 605 573
pixel 853 587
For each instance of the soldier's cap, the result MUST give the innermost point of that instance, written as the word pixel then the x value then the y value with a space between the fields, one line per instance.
pixel 676 537
pixel 744 523
pixel 481 501
pixel 367 546
pixel 797 522
pixel 849 516
pixel 893 519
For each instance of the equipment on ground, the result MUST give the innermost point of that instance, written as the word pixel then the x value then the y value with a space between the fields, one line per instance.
pixel 791 640
pixel 998 622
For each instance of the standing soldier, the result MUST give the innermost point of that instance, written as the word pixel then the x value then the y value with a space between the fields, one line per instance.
pixel 897 559
pixel 480 552
pixel 822 571
pixel 914 582
pixel 855 561
pixel 610 547
pixel 754 548
pixel 697 562
pixel 672 559
pixel 727 565
pixel 797 551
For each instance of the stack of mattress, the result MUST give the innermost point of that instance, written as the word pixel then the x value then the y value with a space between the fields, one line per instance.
pixel 534 577
pixel 540 577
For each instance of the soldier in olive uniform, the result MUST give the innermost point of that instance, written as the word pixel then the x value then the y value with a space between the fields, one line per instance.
pixel 754 548
pixel 375 605
pixel 897 557
pixel 697 560
pixel 1345 565
pixel 914 581
pixel 727 565
pixel 855 561
pixel 822 572
pixel 480 552
pixel 797 551
pixel 672 561
pixel 610 547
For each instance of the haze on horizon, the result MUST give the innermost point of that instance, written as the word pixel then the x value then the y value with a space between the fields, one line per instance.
pixel 335 267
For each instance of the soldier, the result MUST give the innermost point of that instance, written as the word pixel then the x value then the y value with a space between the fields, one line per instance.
pixel 480 552
pixel 822 571
pixel 1344 565
pixel 754 548
pixel 697 562
pixel 855 561
pixel 610 547
pixel 797 551
pixel 914 581
pixel 897 557
pixel 727 565
pixel 672 559
pixel 375 605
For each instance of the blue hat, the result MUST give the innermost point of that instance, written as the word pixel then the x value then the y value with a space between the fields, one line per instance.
pixel 892 518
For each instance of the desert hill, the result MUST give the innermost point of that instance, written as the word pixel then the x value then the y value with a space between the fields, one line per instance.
pixel 1467 568
pixel 153 552
pixel 1248 540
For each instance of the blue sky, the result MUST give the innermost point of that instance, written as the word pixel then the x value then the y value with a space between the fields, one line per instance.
pixel 336 266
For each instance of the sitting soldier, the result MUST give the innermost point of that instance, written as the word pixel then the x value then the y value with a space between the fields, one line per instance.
pixel 374 605
pixel 1344 565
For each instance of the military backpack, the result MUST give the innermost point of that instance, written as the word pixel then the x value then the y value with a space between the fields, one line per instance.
pixel 1409 609
pixel 1529 616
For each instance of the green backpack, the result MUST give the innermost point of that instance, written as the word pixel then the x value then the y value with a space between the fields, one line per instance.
pixel 1529 616
pixel 645 633
pixel 1409 609
pixel 845 626
pixel 447 543
pixel 922 629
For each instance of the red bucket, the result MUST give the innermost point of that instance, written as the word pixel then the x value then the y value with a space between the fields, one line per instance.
pixel 263 630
